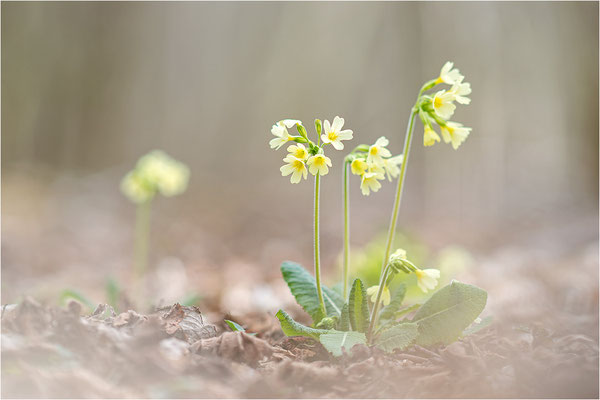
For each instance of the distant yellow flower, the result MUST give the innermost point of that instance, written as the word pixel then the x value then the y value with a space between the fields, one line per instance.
pixel 318 163
pixel 334 134
pixel 168 175
pixel 377 151
pixel 460 91
pixel 443 103
pixel 455 133
pixel 427 279
pixel 430 137
pixel 449 75
pixel 294 166
pixel 136 188
pixel 391 166
pixel 298 151
pixel 370 182
pixel 385 294
pixel 358 166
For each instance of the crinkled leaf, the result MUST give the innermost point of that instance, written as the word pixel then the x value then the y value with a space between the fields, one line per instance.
pixel 293 328
pixel 344 321
pixel 304 288
pixel 398 336
pixel 476 327
pixel 358 307
pixel 335 341
pixel 235 326
pixel 448 312
pixel 389 311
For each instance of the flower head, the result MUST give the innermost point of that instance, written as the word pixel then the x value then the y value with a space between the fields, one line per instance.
pixel 390 165
pixel 377 151
pixel 334 134
pixel 449 75
pixel 385 294
pixel 318 163
pixel 455 132
pixel 294 166
pixel 461 90
pixel 280 131
pixel 443 103
pixel 169 176
pixel 430 136
pixel 427 279
pixel 399 254
pixel 358 166
pixel 136 188
pixel 298 151
pixel 370 182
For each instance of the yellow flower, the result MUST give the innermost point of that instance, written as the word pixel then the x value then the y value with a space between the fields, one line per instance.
pixel 370 182
pixel 430 137
pixel 334 134
pixel 385 294
pixel 136 188
pixel 427 279
pixel 377 151
pixel 358 166
pixel 318 163
pixel 298 151
pixel 449 75
pixel 294 166
pixel 279 130
pixel 455 133
pixel 461 90
pixel 391 166
pixel 169 176
pixel 443 103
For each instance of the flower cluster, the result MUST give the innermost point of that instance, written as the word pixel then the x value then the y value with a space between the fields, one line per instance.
pixel 155 172
pixel 440 107
pixel 302 159
pixel 373 164
pixel 427 279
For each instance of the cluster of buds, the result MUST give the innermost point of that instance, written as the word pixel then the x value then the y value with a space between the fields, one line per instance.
pixel 155 172
pixel 427 279
pixel 440 107
pixel 311 158
pixel 373 164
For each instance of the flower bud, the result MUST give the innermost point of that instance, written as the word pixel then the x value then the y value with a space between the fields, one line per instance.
pixel 318 126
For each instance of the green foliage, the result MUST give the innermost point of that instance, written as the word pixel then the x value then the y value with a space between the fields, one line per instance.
pixel 398 336
pixel 112 290
pixel 235 326
pixel 293 328
pixel 389 311
pixel 358 307
pixel 335 341
pixel 304 288
pixel 73 294
pixel 448 312
pixel 476 327
pixel 344 321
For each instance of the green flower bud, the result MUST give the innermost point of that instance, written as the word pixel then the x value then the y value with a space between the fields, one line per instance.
pixel 327 323
pixel 318 126
pixel 302 131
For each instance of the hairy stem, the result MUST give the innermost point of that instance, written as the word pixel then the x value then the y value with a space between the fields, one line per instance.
pixel 375 310
pixel 346 229
pixel 316 248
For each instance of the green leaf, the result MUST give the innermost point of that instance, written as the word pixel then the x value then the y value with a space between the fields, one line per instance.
pixel 335 341
pixel 112 292
pixel 389 311
pixel 293 328
pixel 399 336
pixel 407 310
pixel 358 307
pixel 448 312
pixel 73 294
pixel 344 321
pixel 304 288
pixel 235 326
pixel 485 322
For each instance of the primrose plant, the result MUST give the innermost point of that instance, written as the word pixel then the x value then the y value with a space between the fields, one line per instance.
pixel 154 173
pixel 374 316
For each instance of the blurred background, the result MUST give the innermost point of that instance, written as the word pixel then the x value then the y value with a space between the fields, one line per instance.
pixel 88 88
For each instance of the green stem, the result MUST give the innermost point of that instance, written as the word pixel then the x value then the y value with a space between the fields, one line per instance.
pixel 317 255
pixel 142 235
pixel 398 198
pixel 346 229
pixel 375 310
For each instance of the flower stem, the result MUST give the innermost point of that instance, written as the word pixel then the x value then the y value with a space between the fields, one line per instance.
pixel 142 234
pixel 316 248
pixel 375 310
pixel 346 229
pixel 398 198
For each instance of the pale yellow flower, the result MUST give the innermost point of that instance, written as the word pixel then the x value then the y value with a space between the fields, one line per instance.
pixel 449 75
pixel 455 133
pixel 370 182
pixel 460 91
pixel 281 134
pixel 168 175
pixel 298 151
pixel 385 294
pixel 443 103
pixel 430 136
pixel 318 163
pixel 427 279
pixel 377 151
pixel 294 166
pixel 390 165
pixel 333 133
pixel 136 188
pixel 358 166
